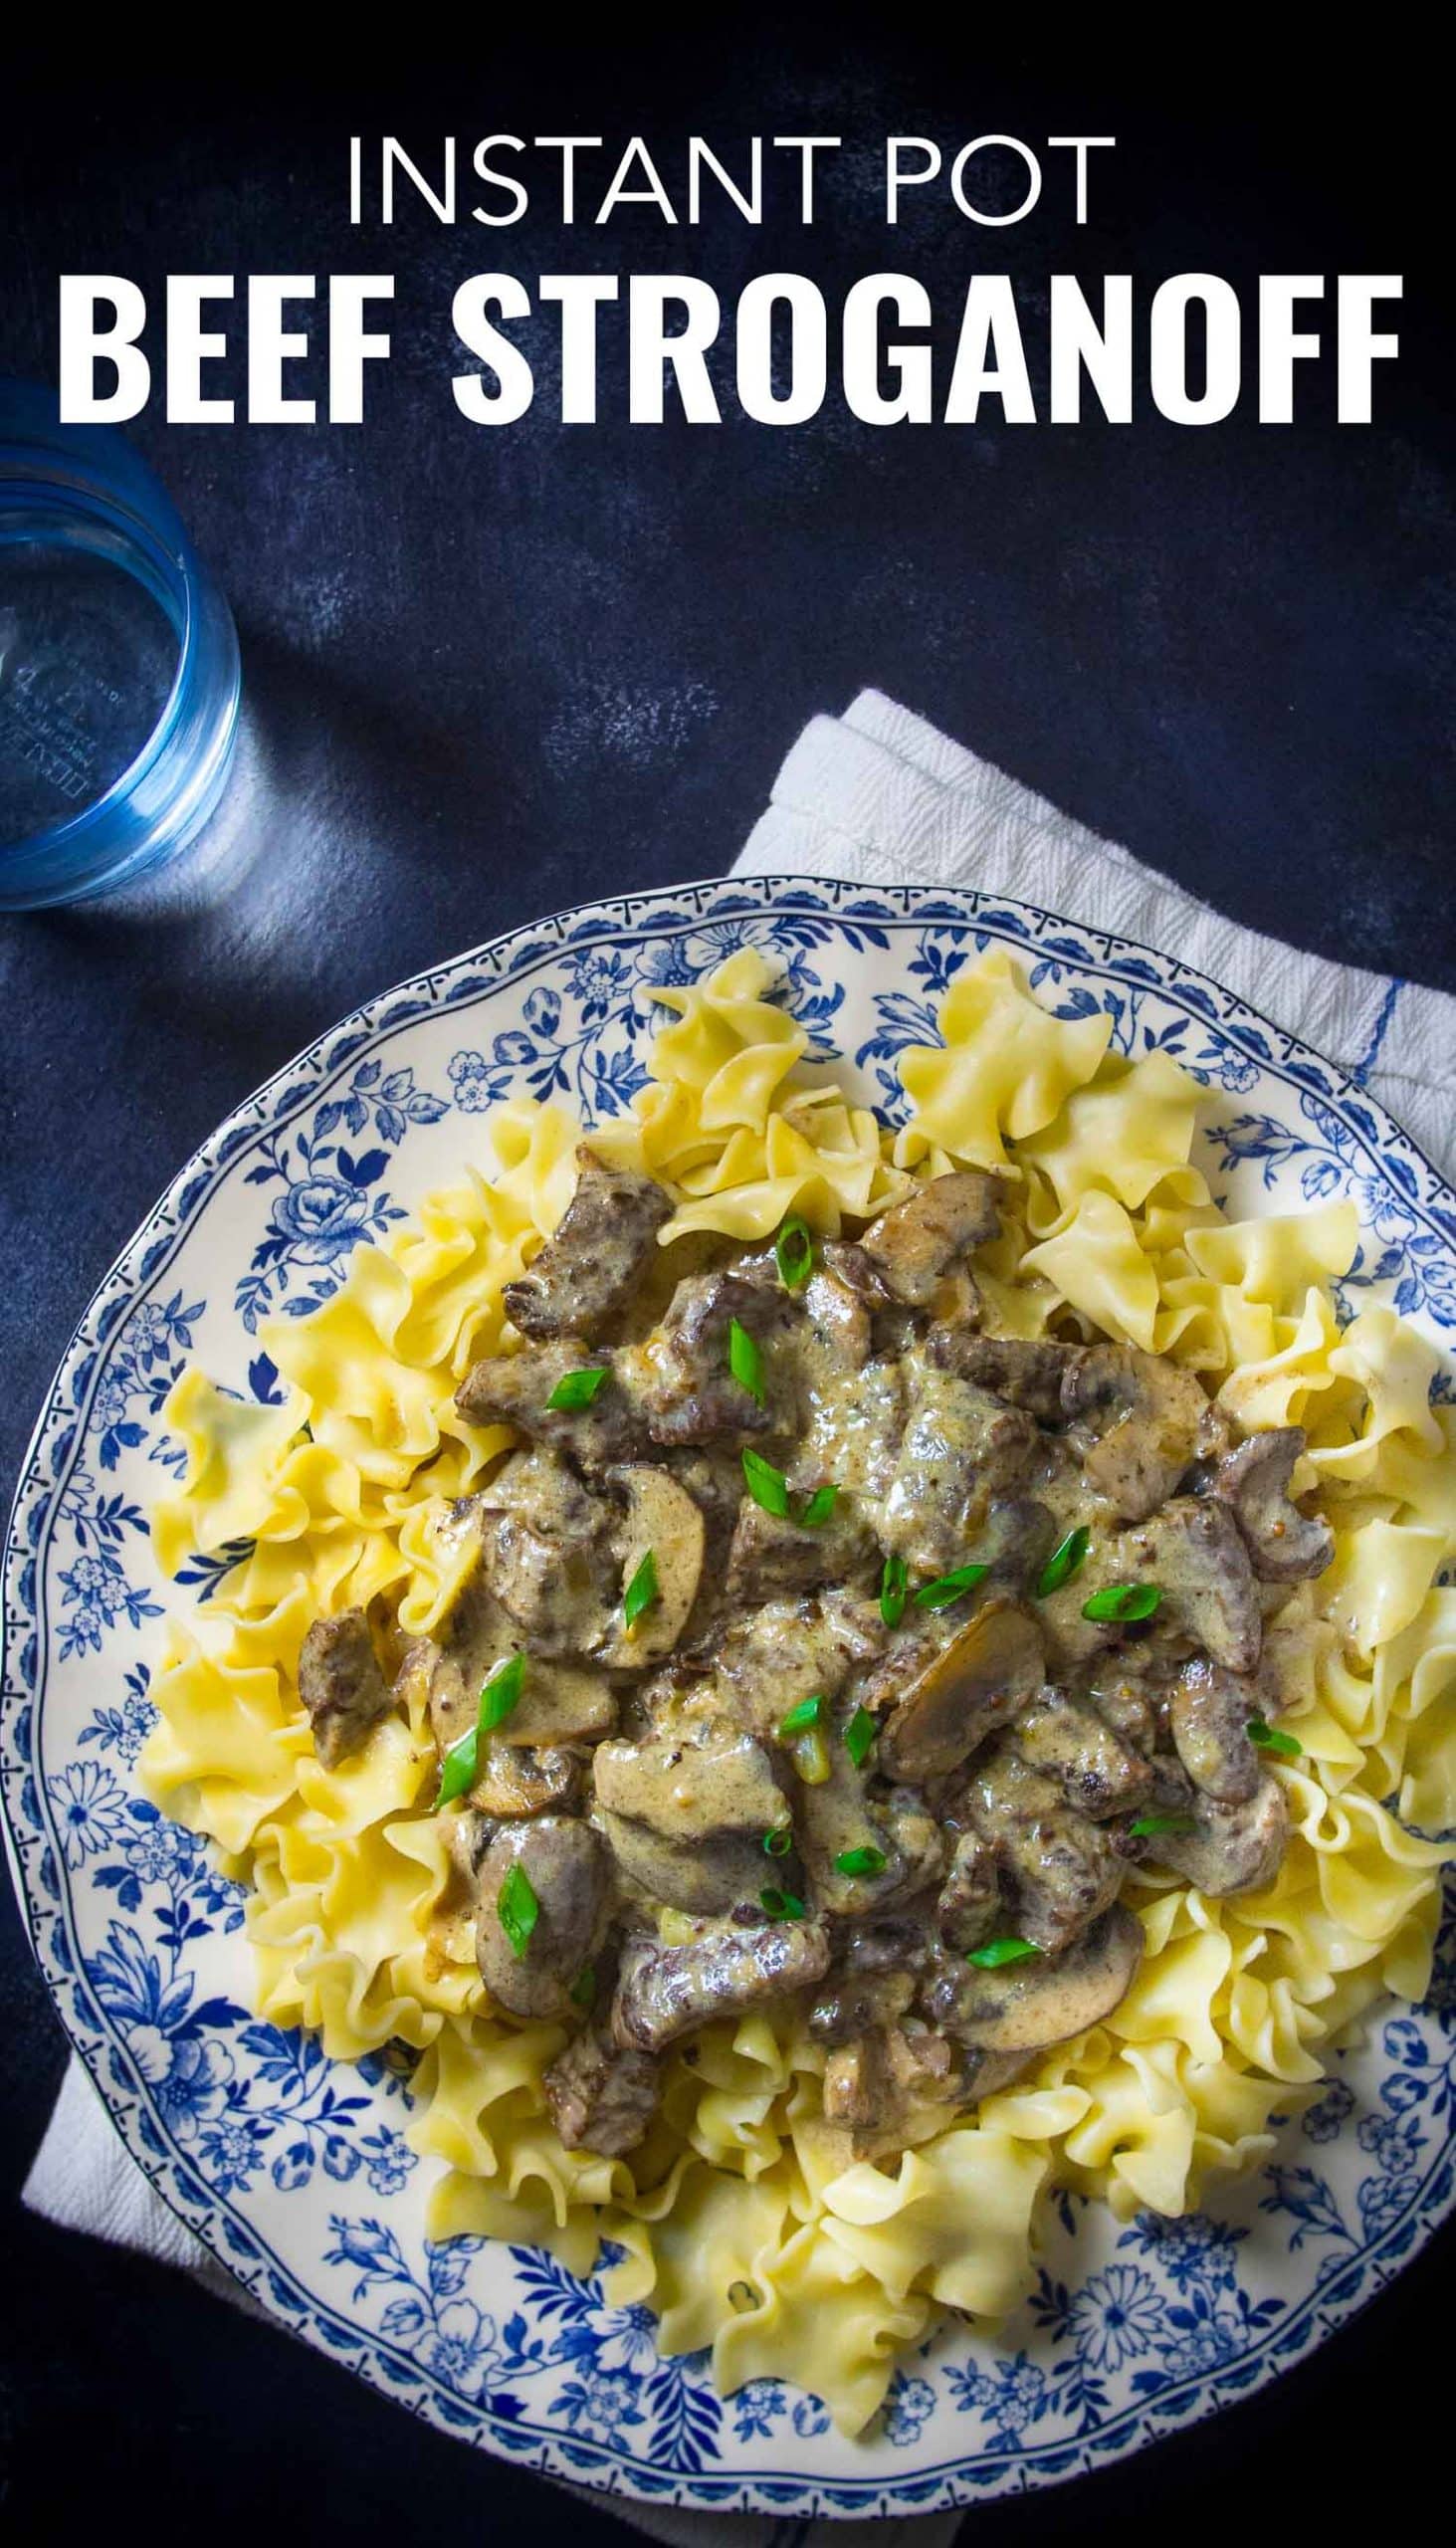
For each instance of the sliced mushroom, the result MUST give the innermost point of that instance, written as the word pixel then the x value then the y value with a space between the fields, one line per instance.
pixel 587 1271
pixel 1098 1773
pixel 341 1686
pixel 1193 1553
pixel 544 1554
pixel 686 1812
pixel 966 1688
pixel 1284 1544
pixel 1138 1420
pixel 662 1521
pixel 1042 2000
pixel 515 1782
pixel 1208 1714
pixel 1235 1849
pixel 913 1245
pixel 566 1895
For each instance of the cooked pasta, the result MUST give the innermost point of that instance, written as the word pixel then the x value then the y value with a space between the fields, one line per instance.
pixel 742 2223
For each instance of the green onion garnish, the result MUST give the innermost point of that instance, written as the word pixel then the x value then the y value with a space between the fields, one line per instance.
pixel 745 1361
pixel 779 1840
pixel 1123 1602
pixel 502 1693
pixel 893 1596
pixel 865 1861
pixel 583 1988
pixel 1002 1951
pixel 1147 1825
pixel 519 1909
pixel 800 1717
pixel 780 1905
pixel 1270 1739
pixel 949 1588
pixel 499 1695
pixel 1063 1563
pixel 641 1593
pixel 819 1506
pixel 767 1485
pixel 578 1388
pixel 859 1737
pixel 742 2296
pixel 794 1249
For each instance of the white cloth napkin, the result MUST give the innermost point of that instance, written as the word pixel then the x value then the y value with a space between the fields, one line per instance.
pixel 880 796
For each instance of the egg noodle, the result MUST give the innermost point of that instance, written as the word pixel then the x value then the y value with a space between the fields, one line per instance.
pixel 741 2222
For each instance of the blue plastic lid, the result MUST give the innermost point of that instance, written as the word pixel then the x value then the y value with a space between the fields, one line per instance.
pixel 119 663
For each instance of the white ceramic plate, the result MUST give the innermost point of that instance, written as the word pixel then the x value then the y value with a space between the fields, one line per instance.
pixel 294 2169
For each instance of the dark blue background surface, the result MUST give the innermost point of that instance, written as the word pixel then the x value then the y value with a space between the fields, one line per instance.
pixel 492 674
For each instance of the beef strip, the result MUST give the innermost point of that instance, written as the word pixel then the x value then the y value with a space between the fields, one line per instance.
pixel 587 1271
pixel 686 1812
pixel 683 1377
pixel 515 1389
pixel 601 2096
pixel 664 1992
pixel 914 1246
pixel 1057 1870
pixel 1028 1372
pixel 1098 1773
pixel 961 1448
pixel 1137 1422
pixel 1284 1544
pixel 341 1686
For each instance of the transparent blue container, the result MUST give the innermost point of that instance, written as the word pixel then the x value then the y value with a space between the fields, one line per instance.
pixel 119 663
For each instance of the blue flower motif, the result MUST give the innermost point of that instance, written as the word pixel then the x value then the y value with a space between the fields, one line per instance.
pixel 319 1219
pixel 599 980
pixel 462 2347
pixel 1114 2315
pixel 189 2075
pixel 810 2417
pixel 91 1809
pixel 1207 2338
pixel 388 2162
pixel 1325 2121
pixel 476 1085
pixel 628 2340
pixel 230 2150
pixel 908 2405
pixel 756 2406
pixel 600 2402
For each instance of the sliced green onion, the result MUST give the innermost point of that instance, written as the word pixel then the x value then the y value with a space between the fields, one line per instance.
pixel 819 1506
pixel 1270 1739
pixel 767 1485
pixel 742 2296
pixel 947 1588
pixel 803 1714
pixel 500 1694
pixel 781 1905
pixel 779 1840
pixel 641 1593
pixel 859 1737
pixel 745 1361
pixel 519 1909
pixel 865 1861
pixel 583 1988
pixel 794 1249
pixel 893 1595
pixel 458 1768
pixel 811 1757
pixel 1123 1602
pixel 578 1388
pixel 1063 1563
pixel 1002 1951
pixel 1149 1824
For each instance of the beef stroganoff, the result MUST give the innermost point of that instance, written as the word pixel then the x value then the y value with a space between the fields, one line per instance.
pixel 826 1681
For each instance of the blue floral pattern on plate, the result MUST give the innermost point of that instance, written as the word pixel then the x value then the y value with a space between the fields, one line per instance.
pixel 295 2169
